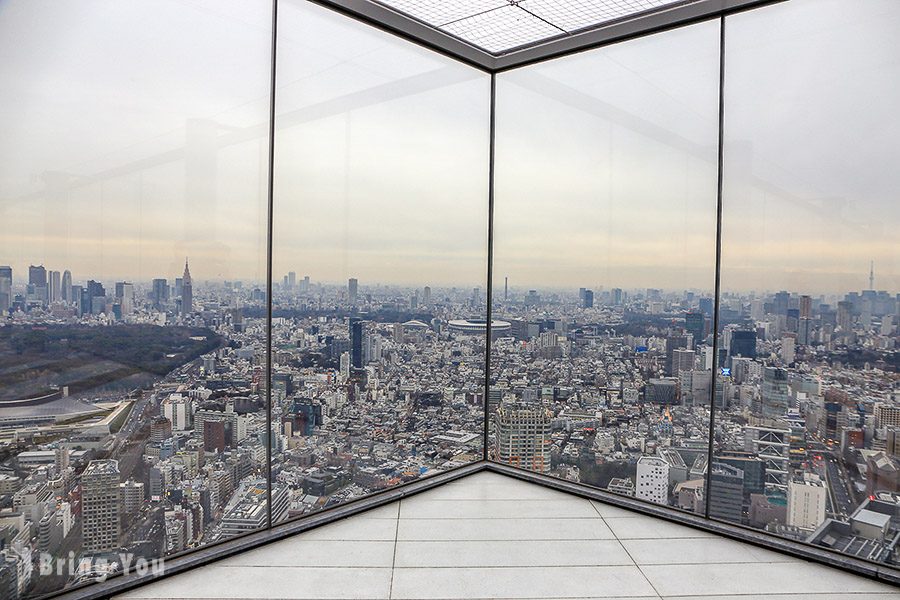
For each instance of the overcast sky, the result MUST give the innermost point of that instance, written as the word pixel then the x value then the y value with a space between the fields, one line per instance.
pixel 134 134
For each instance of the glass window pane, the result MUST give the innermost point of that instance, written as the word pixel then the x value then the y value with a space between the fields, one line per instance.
pixel 604 258
pixel 379 257
pixel 132 245
pixel 807 433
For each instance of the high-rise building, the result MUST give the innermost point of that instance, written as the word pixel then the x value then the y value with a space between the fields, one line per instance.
pixel 727 492
pixel 37 283
pixel 93 298
pixel 54 283
pixel 5 288
pixel 100 506
pixel 845 316
pixel 743 343
pixel 426 296
pixel 292 280
pixel 132 495
pixel 352 290
pixel 805 307
pixel 160 294
pixel 187 291
pixel 356 341
pixel 652 480
pixel 695 324
pixel 588 300
pixel 125 297
pixel 682 360
pixel 65 291
pixel 806 502
pixel 788 348
pixel 522 436
pixel 775 393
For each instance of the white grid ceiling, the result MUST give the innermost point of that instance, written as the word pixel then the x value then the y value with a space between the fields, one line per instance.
pixel 498 26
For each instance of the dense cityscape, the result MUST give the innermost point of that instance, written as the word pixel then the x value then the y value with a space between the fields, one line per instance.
pixel 133 415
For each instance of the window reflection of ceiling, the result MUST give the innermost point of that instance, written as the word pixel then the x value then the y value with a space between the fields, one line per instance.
pixel 499 26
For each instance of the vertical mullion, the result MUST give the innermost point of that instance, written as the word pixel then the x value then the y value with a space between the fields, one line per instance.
pixel 271 195
pixel 717 290
pixel 490 272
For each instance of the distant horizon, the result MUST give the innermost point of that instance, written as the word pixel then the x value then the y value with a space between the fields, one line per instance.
pixel 277 281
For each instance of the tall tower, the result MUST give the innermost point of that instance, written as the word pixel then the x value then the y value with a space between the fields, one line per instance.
pixel 352 289
pixel 100 506
pixel 522 436
pixel 65 291
pixel 872 275
pixel 187 292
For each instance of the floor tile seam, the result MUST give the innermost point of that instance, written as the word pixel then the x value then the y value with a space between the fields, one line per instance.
pixel 394 557
pixel 569 499
pixel 508 566
pixel 528 566
pixel 271 566
pixel 408 518
pixel 801 595
pixel 543 597
pixel 517 540
pixel 644 575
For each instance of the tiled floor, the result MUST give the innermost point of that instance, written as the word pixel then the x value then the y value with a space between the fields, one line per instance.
pixel 490 536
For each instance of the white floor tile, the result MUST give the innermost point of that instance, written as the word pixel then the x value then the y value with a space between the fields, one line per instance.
pixel 554 582
pixel 503 529
pixel 423 508
pixel 512 554
pixel 759 578
pixel 863 596
pixel 299 552
pixel 652 528
pixel 270 583
pixel 698 550
pixel 609 511
pixel 355 529
pixel 491 489
pixel 388 511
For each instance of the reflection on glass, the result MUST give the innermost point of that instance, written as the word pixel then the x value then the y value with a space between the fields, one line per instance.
pixel 807 435
pixel 379 260
pixel 604 257
pixel 132 259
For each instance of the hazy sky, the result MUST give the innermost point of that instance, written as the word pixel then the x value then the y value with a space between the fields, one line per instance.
pixel 134 134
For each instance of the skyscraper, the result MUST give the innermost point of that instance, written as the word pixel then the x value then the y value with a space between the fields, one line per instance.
pixel 695 324
pixel 356 335
pixel 125 297
pixel 65 291
pixel 100 506
pixel 187 291
pixel 352 290
pixel 775 393
pixel 727 492
pixel 588 300
pixel 292 280
pixel 522 436
pixel 53 286
pixel 37 283
pixel 426 296
pixel 5 288
pixel 160 294
pixel 743 343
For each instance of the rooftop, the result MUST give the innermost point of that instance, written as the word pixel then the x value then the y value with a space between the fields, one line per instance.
pixel 491 536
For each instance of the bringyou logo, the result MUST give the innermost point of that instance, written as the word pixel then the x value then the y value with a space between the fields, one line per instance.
pixel 98 568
